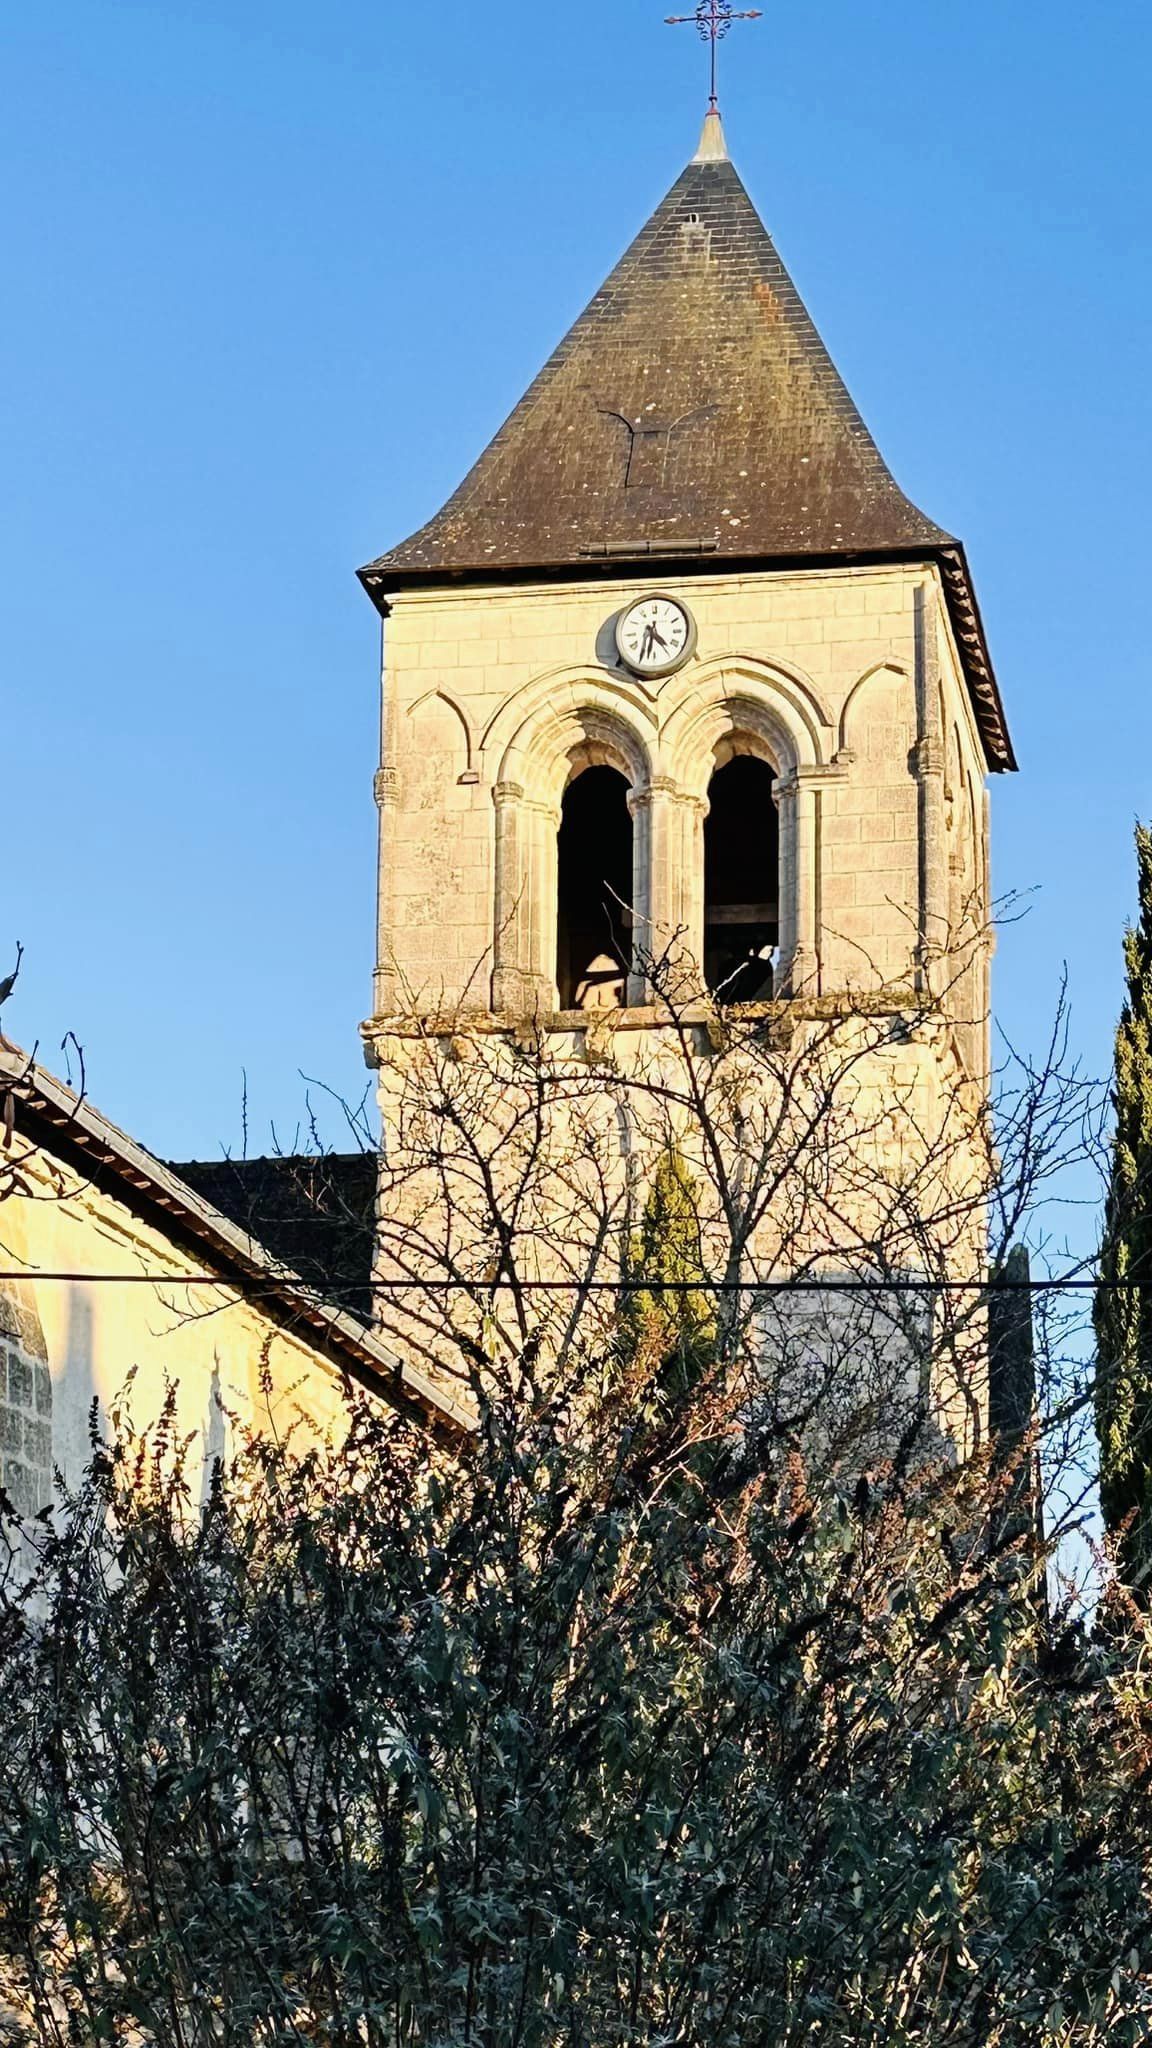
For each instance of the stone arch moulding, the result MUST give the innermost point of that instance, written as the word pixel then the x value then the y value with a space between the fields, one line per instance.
pixel 441 696
pixel 784 677
pixel 568 728
pixel 878 668
pixel 776 706
pixel 542 755
pixel 566 689
pixel 780 717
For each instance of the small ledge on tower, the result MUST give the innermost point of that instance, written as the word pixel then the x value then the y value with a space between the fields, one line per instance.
pixel 713 148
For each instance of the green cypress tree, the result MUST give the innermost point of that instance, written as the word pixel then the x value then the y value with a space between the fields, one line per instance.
pixel 1123 1314
pixel 672 1322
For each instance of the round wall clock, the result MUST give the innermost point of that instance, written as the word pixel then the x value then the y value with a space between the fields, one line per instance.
pixel 655 635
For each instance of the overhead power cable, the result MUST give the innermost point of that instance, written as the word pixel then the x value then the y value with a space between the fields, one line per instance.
pixel 632 1286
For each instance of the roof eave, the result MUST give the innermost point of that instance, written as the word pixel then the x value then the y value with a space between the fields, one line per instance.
pixel 972 641
pixel 145 1184
pixel 383 580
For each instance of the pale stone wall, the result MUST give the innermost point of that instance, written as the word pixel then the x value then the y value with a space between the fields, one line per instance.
pixel 865 1128
pixel 65 1344
pixel 846 680
pixel 848 683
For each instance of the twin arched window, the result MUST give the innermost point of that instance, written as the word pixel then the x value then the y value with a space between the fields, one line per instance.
pixel 598 924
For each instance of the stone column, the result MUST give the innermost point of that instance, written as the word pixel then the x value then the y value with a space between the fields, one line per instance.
pixel 541 868
pixel 388 986
pixel 799 948
pixel 929 760
pixel 388 996
pixel 642 935
pixel 524 940
pixel 988 948
pixel 508 944
pixel 676 880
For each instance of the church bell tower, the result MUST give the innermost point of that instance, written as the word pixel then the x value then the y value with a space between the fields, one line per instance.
pixel 680 668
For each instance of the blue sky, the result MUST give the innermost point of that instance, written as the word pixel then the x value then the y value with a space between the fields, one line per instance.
pixel 273 274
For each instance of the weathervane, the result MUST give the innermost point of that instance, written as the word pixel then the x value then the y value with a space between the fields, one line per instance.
pixel 714 18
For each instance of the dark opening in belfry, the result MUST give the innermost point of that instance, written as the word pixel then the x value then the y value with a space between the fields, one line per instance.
pixel 741 882
pixel 594 892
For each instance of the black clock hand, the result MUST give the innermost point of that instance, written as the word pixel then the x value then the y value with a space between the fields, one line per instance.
pixel 658 638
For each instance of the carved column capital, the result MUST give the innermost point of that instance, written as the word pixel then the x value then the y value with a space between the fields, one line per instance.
pixel 928 756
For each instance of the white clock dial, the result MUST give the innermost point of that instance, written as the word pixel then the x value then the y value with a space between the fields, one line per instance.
pixel 655 635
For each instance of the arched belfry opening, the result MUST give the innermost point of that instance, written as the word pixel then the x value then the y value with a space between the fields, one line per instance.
pixel 594 892
pixel 741 881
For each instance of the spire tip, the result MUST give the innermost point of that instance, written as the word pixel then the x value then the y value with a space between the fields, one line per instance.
pixel 713 148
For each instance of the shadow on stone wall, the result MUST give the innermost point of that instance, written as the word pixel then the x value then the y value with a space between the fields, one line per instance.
pixel 74 1387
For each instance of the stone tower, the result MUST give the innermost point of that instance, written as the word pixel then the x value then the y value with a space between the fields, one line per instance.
pixel 680 667
pixel 689 437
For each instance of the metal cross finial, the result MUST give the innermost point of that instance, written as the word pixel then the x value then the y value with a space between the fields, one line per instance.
pixel 714 18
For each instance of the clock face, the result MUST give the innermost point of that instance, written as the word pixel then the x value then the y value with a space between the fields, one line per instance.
pixel 655 635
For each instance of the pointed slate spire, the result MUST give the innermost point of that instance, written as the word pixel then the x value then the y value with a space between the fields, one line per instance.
pixel 692 400
pixel 692 411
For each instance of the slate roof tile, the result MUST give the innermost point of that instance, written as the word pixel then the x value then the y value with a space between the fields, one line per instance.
pixel 691 410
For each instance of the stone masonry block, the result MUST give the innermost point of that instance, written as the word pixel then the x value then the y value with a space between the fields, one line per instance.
pixel 19 1320
pixel 21 1386
pixel 882 825
pixel 839 891
pixel 855 924
pixel 745 608
pixel 841 831
pixel 37 1442
pixel 894 920
pixel 855 651
pixel 20 1487
pixel 789 604
pixel 888 744
pixel 888 891
pixel 796 633
pixel 43 1390
pixel 11 1430
pixel 871 858
pixel 858 802
pixel 892 626
pixel 479 653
